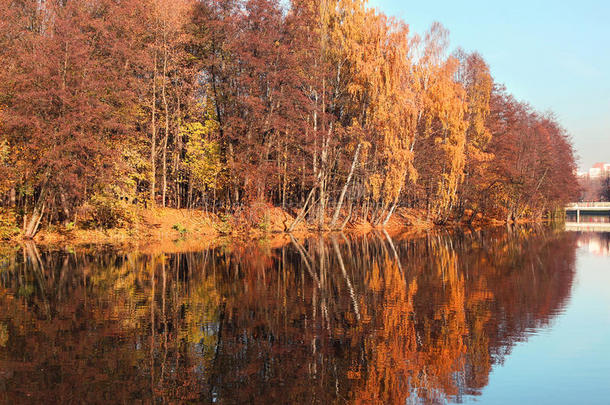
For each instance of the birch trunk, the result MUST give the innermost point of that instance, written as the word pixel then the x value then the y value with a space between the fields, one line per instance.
pixel 387 218
pixel 342 196
pixel 303 211
pixel 322 176
pixel 153 140
pixel 165 105
pixel 31 225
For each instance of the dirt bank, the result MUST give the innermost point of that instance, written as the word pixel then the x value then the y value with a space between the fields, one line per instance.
pixel 173 230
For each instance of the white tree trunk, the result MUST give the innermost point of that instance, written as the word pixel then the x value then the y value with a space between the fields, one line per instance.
pixel 345 186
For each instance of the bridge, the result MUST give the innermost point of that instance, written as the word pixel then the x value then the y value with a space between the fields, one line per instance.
pixel 596 216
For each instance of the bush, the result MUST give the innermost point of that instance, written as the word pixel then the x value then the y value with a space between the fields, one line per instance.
pixel 225 226
pixel 180 228
pixel 253 216
pixel 8 223
pixel 103 211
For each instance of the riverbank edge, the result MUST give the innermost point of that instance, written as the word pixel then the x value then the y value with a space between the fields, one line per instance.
pixel 182 230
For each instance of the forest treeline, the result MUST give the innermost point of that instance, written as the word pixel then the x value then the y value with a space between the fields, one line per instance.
pixel 326 108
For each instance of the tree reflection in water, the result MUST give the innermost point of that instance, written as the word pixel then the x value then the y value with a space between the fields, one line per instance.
pixel 358 319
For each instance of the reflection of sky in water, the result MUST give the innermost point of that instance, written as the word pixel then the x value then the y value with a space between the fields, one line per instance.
pixel 569 362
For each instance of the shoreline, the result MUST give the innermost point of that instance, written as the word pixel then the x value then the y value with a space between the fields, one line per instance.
pixel 173 231
pixel 179 230
pixel 182 230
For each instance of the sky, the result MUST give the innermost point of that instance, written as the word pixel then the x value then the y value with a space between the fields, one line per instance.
pixel 555 55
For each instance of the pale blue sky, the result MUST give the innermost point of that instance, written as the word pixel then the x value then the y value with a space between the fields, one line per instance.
pixel 553 54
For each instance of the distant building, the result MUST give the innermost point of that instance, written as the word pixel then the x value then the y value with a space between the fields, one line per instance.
pixel 595 172
pixel 592 182
pixel 599 170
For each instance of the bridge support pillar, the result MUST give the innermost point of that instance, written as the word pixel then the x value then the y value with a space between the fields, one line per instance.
pixel 577 216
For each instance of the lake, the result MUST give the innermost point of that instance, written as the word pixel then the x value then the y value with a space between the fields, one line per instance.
pixel 506 315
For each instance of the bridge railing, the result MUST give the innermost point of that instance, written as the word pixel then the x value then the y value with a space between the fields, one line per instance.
pixel 588 204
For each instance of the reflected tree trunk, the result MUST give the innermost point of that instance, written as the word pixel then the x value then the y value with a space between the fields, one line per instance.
pixel 352 293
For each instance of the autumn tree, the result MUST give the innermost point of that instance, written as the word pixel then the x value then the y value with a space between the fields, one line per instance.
pixel 473 74
pixel 440 146
pixel 67 95
pixel 203 154
pixel 533 165
pixel 167 69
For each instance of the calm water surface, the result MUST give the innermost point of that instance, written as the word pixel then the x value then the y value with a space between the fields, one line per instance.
pixel 500 316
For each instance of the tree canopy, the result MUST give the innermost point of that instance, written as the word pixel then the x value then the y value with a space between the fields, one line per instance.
pixel 328 108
